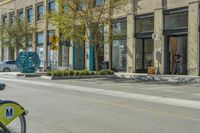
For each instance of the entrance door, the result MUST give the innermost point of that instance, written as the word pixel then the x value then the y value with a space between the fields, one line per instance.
pixel 177 54
pixel 144 54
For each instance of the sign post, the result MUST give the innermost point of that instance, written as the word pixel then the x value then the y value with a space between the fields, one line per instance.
pixel 54 39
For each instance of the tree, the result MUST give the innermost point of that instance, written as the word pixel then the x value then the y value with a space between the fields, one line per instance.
pixel 16 34
pixel 82 21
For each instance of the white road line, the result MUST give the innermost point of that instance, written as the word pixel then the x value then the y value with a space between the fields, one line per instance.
pixel 127 95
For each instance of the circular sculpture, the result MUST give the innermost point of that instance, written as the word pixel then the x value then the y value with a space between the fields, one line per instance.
pixel 28 62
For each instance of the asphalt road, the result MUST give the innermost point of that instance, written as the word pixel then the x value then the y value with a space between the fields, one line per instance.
pixel 106 106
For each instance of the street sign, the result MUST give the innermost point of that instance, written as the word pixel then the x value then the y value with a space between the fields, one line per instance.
pixel 54 47
pixel 54 39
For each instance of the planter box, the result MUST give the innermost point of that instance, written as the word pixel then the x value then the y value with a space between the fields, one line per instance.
pixel 78 77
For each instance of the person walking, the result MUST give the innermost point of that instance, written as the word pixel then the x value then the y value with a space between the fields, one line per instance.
pixel 176 64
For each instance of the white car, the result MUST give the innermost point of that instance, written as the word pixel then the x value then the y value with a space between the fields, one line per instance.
pixel 8 66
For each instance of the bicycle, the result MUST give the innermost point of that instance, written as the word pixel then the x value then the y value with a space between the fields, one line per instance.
pixel 12 116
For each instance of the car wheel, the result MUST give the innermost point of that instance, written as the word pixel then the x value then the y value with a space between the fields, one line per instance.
pixel 6 70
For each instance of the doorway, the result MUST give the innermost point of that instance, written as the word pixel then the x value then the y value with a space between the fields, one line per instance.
pixel 144 54
pixel 177 54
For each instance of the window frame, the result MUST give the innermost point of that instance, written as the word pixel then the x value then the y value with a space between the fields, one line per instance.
pixel 38 14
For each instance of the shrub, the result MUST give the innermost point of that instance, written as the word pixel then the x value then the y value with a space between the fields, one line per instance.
pixel 65 73
pixel 76 73
pixel 102 72
pixel 57 73
pixel 87 72
pixel 71 73
pixel 49 73
pixel 82 73
pixel 109 72
pixel 91 73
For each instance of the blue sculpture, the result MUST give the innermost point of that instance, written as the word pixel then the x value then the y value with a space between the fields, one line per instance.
pixel 28 62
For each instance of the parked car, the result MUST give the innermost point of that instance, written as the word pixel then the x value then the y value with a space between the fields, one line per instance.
pixel 8 66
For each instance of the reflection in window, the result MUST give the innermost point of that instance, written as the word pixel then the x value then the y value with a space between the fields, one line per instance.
pixel 40 48
pixel 30 15
pixel 119 33
pixel 52 6
pixel 40 12
pixel 176 20
pixel 20 15
pixel 119 54
pixel 4 19
pixel 99 2
pixel 145 24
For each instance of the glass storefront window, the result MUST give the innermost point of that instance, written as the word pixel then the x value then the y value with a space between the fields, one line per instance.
pixel 144 24
pixel 119 45
pixel 119 54
pixel 40 48
pixel 176 20
pixel 119 27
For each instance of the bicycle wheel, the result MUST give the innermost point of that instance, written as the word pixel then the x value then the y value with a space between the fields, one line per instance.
pixel 18 125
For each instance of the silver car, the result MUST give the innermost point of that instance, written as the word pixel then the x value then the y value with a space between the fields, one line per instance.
pixel 8 66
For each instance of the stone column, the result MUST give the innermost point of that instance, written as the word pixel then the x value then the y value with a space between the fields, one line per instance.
pixel 34 24
pixel 130 40
pixel 107 44
pixel 71 55
pixel 158 37
pixel 193 38
pixel 45 48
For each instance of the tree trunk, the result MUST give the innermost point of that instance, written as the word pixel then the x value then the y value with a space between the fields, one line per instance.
pixel 96 57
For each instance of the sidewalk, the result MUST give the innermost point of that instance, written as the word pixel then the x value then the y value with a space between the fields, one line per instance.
pixel 165 78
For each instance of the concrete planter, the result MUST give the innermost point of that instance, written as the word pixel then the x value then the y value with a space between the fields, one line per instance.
pixel 163 78
pixel 78 77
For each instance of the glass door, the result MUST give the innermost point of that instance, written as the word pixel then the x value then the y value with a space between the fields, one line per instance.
pixel 144 54
pixel 177 55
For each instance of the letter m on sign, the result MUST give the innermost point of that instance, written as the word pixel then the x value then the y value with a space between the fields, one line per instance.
pixel 9 113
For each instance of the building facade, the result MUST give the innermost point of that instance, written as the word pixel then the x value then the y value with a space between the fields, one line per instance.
pixel 159 33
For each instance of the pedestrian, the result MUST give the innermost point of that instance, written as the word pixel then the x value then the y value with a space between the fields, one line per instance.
pixel 181 65
pixel 176 64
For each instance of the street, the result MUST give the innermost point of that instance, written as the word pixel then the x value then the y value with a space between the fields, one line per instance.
pixel 105 105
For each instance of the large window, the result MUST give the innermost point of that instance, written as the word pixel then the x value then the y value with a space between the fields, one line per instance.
pixel 119 45
pixel 4 19
pixel 12 17
pixel 30 14
pixel 39 48
pixel 40 38
pixel 176 19
pixel 144 23
pixel 99 2
pixel 20 15
pixel 40 11
pixel 51 6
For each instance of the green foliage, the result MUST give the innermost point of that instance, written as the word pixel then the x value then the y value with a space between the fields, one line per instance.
pixel 71 73
pixel 102 72
pixel 49 73
pixel 57 73
pixel 91 73
pixel 76 73
pixel 16 34
pixel 65 73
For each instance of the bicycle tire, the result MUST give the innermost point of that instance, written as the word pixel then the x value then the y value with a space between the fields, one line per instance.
pixel 18 125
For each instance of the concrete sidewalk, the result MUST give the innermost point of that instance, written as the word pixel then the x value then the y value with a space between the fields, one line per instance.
pixel 164 78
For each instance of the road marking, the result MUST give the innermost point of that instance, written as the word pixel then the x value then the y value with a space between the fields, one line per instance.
pixel 127 95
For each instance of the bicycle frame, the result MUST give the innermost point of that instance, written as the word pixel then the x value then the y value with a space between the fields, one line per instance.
pixel 9 111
